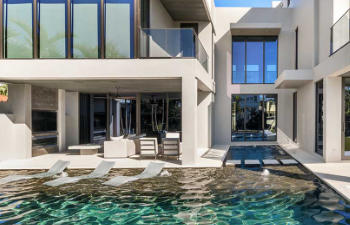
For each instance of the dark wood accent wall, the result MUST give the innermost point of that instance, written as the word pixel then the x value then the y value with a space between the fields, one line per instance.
pixel 44 98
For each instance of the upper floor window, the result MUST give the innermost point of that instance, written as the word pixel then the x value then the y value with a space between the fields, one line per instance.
pixel 86 28
pixel 254 59
pixel 52 28
pixel 18 28
pixel 119 28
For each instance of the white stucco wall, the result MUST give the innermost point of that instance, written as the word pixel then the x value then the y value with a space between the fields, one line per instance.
pixel 339 8
pixel 15 123
pixel 223 68
pixel 204 121
pixel 314 19
pixel 72 118
pixel 159 17
pixel 306 117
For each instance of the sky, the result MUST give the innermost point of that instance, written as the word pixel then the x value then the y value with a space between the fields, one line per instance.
pixel 243 3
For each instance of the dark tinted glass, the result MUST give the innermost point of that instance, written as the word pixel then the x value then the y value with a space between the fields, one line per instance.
pixel 44 121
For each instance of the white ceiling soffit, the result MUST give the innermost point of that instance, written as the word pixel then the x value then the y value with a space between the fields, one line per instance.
pixel 253 29
pixel 187 10
pixel 293 79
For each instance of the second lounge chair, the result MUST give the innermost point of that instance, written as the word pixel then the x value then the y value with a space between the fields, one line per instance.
pixel 101 170
pixel 57 168
pixel 152 170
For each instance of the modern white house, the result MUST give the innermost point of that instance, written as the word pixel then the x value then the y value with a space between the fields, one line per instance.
pixel 83 71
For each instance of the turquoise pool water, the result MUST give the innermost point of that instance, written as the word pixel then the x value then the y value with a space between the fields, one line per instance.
pixel 289 195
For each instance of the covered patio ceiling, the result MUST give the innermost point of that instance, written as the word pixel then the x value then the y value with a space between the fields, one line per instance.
pixel 122 86
pixel 187 10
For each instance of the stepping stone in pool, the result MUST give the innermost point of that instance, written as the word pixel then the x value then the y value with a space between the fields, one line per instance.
pixel 271 162
pixel 252 162
pixel 289 162
pixel 234 162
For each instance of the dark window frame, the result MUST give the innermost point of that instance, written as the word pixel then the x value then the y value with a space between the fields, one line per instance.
pixel 246 39
pixel 295 117
pixel 297 48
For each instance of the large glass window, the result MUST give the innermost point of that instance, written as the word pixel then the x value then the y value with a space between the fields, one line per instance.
pixel 238 56
pixel 254 59
pixel 270 61
pixel 86 28
pixel 119 28
pixel 254 117
pixel 255 62
pixel 160 113
pixel 18 28
pixel 52 28
pixel 319 117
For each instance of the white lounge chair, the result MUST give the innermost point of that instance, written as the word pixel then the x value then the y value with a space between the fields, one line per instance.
pixel 152 170
pixel 57 168
pixel 101 170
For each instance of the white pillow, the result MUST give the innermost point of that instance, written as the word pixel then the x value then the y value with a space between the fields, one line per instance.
pixel 117 138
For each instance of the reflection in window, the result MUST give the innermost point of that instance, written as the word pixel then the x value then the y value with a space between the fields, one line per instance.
pixel 255 62
pixel 119 28
pixel 238 56
pixel 44 121
pixel 18 29
pixel 85 28
pixel 270 117
pixel 160 113
pixel 254 59
pixel 270 61
pixel 254 117
pixel 52 28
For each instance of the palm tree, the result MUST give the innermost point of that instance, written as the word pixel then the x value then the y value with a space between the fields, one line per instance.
pixel 50 50
pixel 19 47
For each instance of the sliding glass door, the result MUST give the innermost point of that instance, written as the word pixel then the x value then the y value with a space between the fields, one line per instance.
pixel 254 117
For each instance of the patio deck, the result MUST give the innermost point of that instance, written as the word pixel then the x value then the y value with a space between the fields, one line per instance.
pixel 335 174
pixel 212 158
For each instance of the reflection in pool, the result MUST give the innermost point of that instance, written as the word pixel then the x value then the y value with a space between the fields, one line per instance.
pixel 289 195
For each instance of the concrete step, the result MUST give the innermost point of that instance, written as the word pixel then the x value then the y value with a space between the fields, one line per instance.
pixel 233 162
pixel 250 162
pixel 270 162
pixel 289 162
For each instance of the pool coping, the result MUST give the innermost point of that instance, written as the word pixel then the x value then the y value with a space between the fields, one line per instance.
pixel 299 155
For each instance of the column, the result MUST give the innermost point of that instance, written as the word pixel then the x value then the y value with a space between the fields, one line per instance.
pixel 189 120
pixel 118 106
pixel 332 119
pixel 138 114
pixel 108 118
pixel 61 120
pixel 72 118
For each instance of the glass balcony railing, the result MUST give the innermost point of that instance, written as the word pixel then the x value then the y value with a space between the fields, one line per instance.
pixel 172 43
pixel 340 32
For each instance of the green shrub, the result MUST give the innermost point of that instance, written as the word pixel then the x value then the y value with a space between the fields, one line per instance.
pixel 3 89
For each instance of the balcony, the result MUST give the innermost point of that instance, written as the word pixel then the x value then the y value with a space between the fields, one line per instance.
pixel 340 33
pixel 172 43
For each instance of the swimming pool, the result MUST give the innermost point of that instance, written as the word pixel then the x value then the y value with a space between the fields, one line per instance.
pixel 288 195
pixel 257 152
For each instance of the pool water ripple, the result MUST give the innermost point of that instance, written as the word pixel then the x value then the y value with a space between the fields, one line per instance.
pixel 289 195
